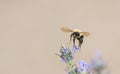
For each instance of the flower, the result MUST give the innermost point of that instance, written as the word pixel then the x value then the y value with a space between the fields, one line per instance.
pixel 65 54
pixel 75 48
pixel 84 67
pixel 97 63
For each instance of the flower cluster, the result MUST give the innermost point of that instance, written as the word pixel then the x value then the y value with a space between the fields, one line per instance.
pixel 67 55
pixel 96 66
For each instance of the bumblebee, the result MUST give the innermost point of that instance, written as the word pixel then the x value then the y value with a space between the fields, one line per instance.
pixel 76 34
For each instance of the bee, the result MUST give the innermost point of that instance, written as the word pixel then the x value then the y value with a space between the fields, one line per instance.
pixel 76 34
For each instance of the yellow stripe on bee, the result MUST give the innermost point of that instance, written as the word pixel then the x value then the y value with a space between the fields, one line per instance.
pixel 76 30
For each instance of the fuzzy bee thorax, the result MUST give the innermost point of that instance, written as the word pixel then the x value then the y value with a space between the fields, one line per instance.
pixel 77 30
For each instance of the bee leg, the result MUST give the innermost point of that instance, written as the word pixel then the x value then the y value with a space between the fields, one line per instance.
pixel 73 41
pixel 80 41
pixel 79 46
pixel 71 37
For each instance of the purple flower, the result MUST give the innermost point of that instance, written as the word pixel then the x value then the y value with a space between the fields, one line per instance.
pixel 97 63
pixel 65 54
pixel 75 48
pixel 83 65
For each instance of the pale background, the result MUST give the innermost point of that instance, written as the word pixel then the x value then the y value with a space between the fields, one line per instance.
pixel 30 33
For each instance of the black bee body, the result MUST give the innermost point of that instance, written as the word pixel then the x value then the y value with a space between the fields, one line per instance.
pixel 78 36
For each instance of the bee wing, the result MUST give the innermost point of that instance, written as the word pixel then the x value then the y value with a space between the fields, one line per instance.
pixel 85 33
pixel 66 29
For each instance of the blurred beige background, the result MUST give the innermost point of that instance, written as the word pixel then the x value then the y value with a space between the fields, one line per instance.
pixel 30 33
